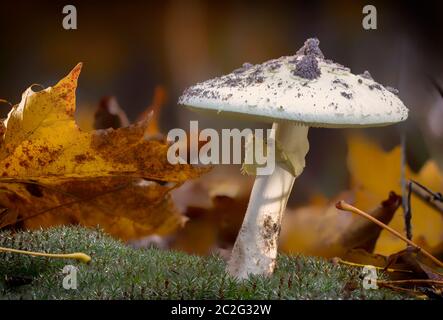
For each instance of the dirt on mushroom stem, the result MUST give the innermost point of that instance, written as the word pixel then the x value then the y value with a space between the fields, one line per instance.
pixel 255 249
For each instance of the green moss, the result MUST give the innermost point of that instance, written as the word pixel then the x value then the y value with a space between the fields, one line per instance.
pixel 120 272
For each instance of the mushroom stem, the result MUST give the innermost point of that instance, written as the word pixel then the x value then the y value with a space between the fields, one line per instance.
pixel 255 249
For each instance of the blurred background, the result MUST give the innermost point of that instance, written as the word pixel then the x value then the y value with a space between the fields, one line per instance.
pixel 128 48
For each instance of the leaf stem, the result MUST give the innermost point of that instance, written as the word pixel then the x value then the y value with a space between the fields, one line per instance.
pixel 353 264
pixel 410 281
pixel 76 255
pixel 343 205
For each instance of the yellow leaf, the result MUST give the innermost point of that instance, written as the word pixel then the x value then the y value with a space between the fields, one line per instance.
pixel 42 141
pixel 51 172
pixel 374 173
pixel 426 222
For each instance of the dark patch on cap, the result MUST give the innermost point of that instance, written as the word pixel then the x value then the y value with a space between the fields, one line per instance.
pixel 190 93
pixel 366 75
pixel 241 80
pixel 231 81
pixel 311 47
pixel 360 81
pixel 210 94
pixel 346 95
pixel 374 86
pixel 227 97
pixel 256 76
pixel 307 68
pixel 340 82
pixel 392 90
pixel 273 65
pixel 198 92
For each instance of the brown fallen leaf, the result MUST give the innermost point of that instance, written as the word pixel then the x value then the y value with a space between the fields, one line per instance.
pixel 414 260
pixel 316 230
pixel 52 172
pixel 343 205
pixel 126 208
pixel 425 277
pixel 426 269
pixel 362 234
pixel 215 205
pixel 109 114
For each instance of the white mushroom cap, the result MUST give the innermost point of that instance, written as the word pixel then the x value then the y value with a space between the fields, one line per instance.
pixel 304 88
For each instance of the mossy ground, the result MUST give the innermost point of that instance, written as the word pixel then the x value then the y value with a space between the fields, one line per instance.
pixel 120 272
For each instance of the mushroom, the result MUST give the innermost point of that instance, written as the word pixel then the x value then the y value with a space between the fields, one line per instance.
pixel 294 93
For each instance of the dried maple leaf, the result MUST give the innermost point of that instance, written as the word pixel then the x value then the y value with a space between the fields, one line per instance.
pixel 323 231
pixel 52 172
pixel 42 140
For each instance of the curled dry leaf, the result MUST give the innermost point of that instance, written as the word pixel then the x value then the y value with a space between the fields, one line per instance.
pixel 364 235
pixel 52 172
pixel 109 114
pixel 323 231
pixel 423 274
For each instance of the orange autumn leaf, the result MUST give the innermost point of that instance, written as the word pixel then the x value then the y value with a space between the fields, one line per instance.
pixel 42 141
pixel 54 173
pixel 153 111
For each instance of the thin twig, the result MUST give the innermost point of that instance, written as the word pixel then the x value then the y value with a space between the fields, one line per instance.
pixel 77 255
pixel 405 190
pixel 433 199
pixel 353 264
pixel 404 290
pixel 408 213
pixel 343 205
pixel 411 281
